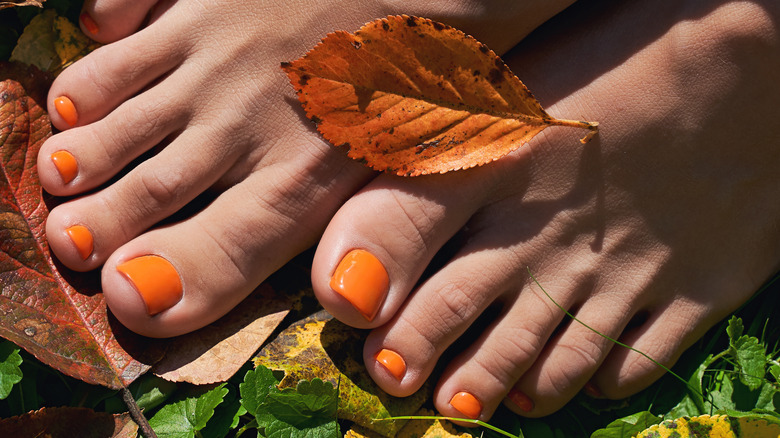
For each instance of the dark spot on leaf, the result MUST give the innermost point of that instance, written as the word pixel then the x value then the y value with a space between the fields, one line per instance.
pixel 438 26
pixel 286 64
pixel 476 73
pixel 304 80
pixel 495 77
pixel 483 48
pixel 391 131
pixel 316 120
pixel 357 44
pixel 385 26
pixel 411 22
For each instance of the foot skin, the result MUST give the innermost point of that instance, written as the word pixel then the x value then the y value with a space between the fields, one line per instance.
pixel 651 233
pixel 195 103
pixel 596 224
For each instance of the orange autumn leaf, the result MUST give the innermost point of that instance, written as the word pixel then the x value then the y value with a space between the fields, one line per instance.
pixel 411 96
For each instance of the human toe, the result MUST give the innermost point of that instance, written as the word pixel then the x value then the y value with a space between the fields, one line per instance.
pixel 92 87
pixel 379 243
pixel 569 359
pixel 223 252
pixel 106 21
pixel 663 336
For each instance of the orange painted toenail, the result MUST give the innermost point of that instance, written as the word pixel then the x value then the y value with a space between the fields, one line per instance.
pixel 82 239
pixel 362 280
pixel 66 110
pixel 466 404
pixel 66 165
pixel 592 390
pixel 155 279
pixel 521 400
pixel 393 362
pixel 88 23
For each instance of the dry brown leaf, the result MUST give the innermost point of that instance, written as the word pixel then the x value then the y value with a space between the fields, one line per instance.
pixel 411 96
pixel 216 352
pixel 37 3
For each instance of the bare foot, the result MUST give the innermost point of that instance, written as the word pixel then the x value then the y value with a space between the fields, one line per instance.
pixel 651 233
pixel 196 102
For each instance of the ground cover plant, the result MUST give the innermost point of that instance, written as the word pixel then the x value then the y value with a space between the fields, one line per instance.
pixel 277 365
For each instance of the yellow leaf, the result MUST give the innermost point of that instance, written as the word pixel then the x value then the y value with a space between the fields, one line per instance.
pixel 322 347
pixel 416 429
pixel 51 43
pixel 716 426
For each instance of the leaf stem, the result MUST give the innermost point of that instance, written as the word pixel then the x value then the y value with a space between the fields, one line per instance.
pixel 136 414
pixel 592 127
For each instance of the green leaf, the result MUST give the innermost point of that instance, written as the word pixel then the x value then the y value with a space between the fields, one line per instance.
pixel 182 419
pixel 309 405
pixel 226 416
pixel 258 384
pixel 751 360
pixel 722 396
pixel 734 330
pixel 10 373
pixel 628 426
pixel 283 430
pixel 775 371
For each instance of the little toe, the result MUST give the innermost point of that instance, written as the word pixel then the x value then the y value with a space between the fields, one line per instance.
pixel 378 244
pixel 663 337
pixel 571 357
pixel 107 21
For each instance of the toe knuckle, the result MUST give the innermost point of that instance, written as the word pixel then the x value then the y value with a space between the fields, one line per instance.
pixel 162 189
pixel 459 303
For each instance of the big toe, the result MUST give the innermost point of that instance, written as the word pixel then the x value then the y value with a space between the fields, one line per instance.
pixel 379 243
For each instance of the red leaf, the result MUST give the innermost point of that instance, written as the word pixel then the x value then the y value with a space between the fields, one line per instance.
pixel 411 96
pixel 59 422
pixel 65 327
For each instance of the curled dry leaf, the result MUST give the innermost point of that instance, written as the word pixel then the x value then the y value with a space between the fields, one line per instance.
pixel 411 96
pixel 37 3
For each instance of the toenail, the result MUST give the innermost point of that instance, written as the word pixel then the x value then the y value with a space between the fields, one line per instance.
pixel 592 390
pixel 393 362
pixel 66 165
pixel 82 239
pixel 88 23
pixel 362 280
pixel 466 404
pixel 155 279
pixel 521 400
pixel 66 110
